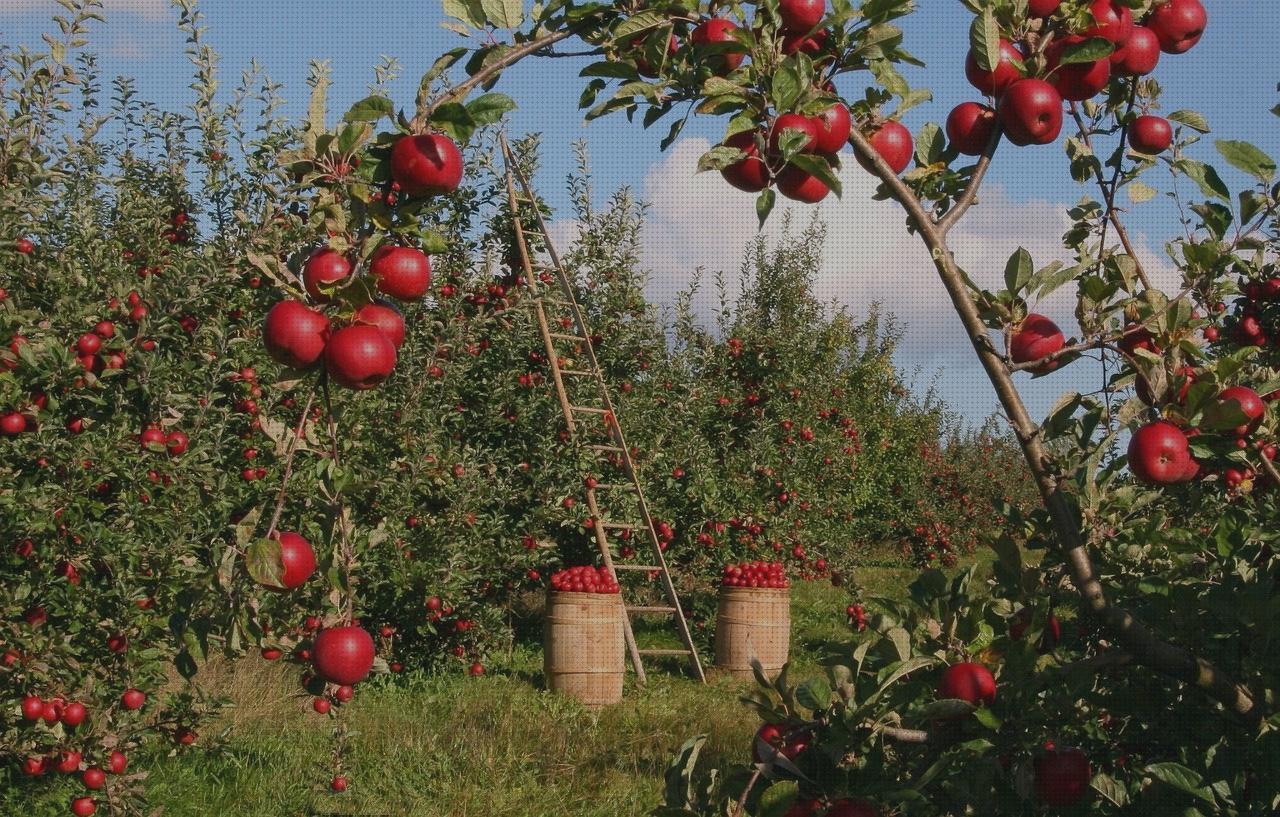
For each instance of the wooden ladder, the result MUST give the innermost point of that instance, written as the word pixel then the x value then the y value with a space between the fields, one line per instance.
pixel 519 192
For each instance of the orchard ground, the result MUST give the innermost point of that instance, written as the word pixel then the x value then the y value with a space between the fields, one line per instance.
pixel 497 745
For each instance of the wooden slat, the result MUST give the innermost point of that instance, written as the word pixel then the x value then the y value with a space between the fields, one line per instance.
pixel 651 609
pixel 666 652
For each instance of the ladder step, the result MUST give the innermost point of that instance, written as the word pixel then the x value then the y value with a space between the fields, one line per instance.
pixel 562 336
pixel 614 486
pixel 646 568
pixel 664 652
pixel 588 409
pixel 620 526
pixel 664 610
pixel 577 373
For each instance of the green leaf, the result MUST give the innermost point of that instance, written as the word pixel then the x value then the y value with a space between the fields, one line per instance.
pixel 1181 778
pixel 1111 789
pixel 1139 192
pixel 489 108
pixel 984 39
pixel 1205 177
pixel 638 23
pixel 930 144
pixel 264 563
pixel 1091 50
pixel 1018 270
pixel 1246 157
pixel 817 166
pixel 814 693
pixel 504 13
pixel 470 12
pixel 1191 119
pixel 901 640
pixel 1217 217
pixel 369 109
pixel 764 204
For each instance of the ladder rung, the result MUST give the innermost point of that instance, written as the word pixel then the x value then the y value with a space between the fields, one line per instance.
pixel 665 610
pixel 646 568
pixel 577 373
pixel 614 486
pixel 562 336
pixel 597 447
pixel 620 526
pixel 664 652
pixel 588 409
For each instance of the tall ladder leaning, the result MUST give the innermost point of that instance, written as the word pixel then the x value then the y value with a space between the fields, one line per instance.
pixel 592 372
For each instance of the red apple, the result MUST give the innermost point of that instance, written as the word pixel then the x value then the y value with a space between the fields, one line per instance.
pixel 25 246
pixel 151 438
pixel 13 424
pixel 1035 338
pixel 1150 134
pixel 852 808
pixel 297 559
pixel 1178 24
pixel 1139 55
pixel 83 806
pixel 800 185
pixel 94 777
pixel 117 762
pixel 88 344
pixel 799 16
pixel 834 125
pixel 1113 21
pixel 342 655
pixel 133 699
pixel 176 443
pixel 359 357
pixel 1159 454
pixel 795 122
pixel 338 783
pixel 32 707
pixel 324 268
pixel 785 738
pixel 426 164
pixel 1249 402
pixel 294 334
pixel 1062 776
pixel 969 127
pixel 1006 73
pixel 1078 81
pixel 715 30
pixel 402 272
pixel 749 174
pixel 1031 112
pixel 386 318
pixel 68 762
pixel 1042 8
pixel 893 142
pixel 969 682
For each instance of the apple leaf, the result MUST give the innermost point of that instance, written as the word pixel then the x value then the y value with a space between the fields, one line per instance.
pixel 1246 157
pixel 1216 217
pixel 1018 270
pixel 443 63
pixel 369 109
pixel 504 13
pixel 1192 119
pixel 1091 50
pixel 470 12
pixel 764 204
pixel 1139 192
pixel 984 39
pixel 638 23
pixel 610 69
pixel 930 144
pixel 489 108
pixel 719 157
pixel 264 563
pixel 814 693
pixel 454 119
pixel 789 84
pixel 1181 778
pixel 1111 789
pixel 817 166
pixel 1205 177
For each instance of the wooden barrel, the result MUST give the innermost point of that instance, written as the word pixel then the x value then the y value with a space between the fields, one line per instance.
pixel 753 622
pixel 583 650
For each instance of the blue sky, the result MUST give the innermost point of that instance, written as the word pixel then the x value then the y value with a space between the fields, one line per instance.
pixel 1230 77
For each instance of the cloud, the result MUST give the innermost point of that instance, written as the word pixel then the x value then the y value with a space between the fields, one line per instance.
pixel 148 9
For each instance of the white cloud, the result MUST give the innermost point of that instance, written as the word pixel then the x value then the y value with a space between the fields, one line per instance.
pixel 149 9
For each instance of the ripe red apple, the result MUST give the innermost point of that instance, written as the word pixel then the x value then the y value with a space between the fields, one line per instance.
pixel 1150 134
pixel 785 738
pixel 1159 454
pixel 799 16
pixel 1178 24
pixel 88 344
pixel 1006 73
pixel 359 357
pixel 804 808
pixel 893 142
pixel 1139 55
pixel 1031 112
pixel 1042 8
pixel 718 30
pixel 324 268
pixel 338 784
pixel 185 736
pixel 1035 338
pixel 297 559
pixel 1249 402
pixel 401 272
pixel 94 777
pixel 969 682
pixel 834 125
pixel 969 127
pixel 476 669
pixel 133 699
pixel 68 762
pixel 795 122
pixel 1113 21
pixel 117 762
pixel 342 655
pixel 426 164
pixel 852 808
pixel 750 174
pixel 176 443
pixel 25 246
pixel 800 185
pixel 1062 776
pixel 32 707
pixel 83 806
pixel 151 438
pixel 13 424
pixel 386 318
pixel 294 334
pixel 1078 81
pixel 321 705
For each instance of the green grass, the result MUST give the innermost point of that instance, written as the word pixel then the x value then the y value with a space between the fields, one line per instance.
pixel 497 746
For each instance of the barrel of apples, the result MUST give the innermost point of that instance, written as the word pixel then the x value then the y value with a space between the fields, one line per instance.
pixel 583 644
pixel 754 619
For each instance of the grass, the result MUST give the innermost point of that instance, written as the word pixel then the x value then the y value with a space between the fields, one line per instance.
pixel 496 746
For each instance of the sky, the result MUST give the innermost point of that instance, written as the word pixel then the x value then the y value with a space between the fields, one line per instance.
pixel 696 220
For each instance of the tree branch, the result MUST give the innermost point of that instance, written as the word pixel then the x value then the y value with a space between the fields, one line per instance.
pixel 970 194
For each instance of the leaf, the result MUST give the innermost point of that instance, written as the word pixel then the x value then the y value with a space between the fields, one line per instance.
pixel 638 23
pixel 719 157
pixel 984 39
pixel 504 13
pixel 1139 192
pixel 369 109
pixel 1181 778
pixel 679 791
pixel 814 693
pixel 1018 270
pixel 468 11
pixel 901 642
pixel 1191 119
pixel 929 145
pixel 1205 177
pixel 265 563
pixel 489 108
pixel 1091 50
pixel 1216 217
pixel 1111 789
pixel 1246 157
pixel 817 166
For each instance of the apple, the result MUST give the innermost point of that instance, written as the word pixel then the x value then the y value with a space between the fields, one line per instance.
pixel 643 66
pixel 185 736
pixel 88 344
pixel 750 174
pixel 386 318
pixel 1036 337
pixel 476 669
pixel 802 43
pixel 342 655
pixel 83 806
pixel 338 784
pixel 1139 55
pixel 1062 776
pixel 13 424
pixel 969 127
pixel 834 125
pixel 68 762
pixel 297 560
pixel 795 122
pixel 359 357
pixel 1113 21
pixel 324 268
pixel 94 777
pixel 1150 134
pixel 294 334
pixel 852 808
pixel 1159 454
pixel 787 739
pixel 715 30
pixel 804 808
pixel 1178 24
pixel 35 766
pixel 1006 73
pixel 133 699
pixel 117 762
pixel 426 164
pixel 151 438
pixel 25 246
pixel 32 707
pixel 893 142
pixel 1042 8
pixel 799 16
pixel 1031 112
pixel 969 682
pixel 1249 402
pixel 1077 81
pixel 176 443
pixel 800 185
pixel 403 273
pixel 322 705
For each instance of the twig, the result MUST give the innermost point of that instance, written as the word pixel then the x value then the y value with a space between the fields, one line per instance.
pixel 970 193
pixel 751 784
pixel 288 464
